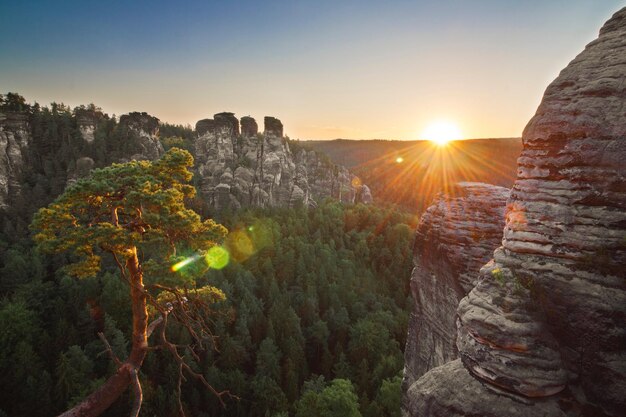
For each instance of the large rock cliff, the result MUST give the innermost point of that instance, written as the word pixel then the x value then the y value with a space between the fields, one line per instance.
pixel 455 237
pixel 250 169
pixel 543 333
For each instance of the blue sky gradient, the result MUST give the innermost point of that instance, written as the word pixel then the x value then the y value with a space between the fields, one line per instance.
pixel 326 68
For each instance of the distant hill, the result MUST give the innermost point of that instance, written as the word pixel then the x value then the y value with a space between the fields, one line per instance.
pixel 411 173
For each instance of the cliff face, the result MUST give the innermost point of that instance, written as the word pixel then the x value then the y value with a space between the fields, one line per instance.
pixel 455 237
pixel 545 325
pixel 87 121
pixel 145 131
pixel 14 142
pixel 238 170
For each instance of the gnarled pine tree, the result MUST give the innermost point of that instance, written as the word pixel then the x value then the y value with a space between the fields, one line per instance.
pixel 136 213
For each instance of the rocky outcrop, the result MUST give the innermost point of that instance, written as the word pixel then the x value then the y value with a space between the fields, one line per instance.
pixel 238 170
pixel 227 122
pixel 455 237
pixel 449 390
pixel 273 127
pixel 503 338
pixel 144 130
pixel 249 128
pixel 235 165
pixel 87 120
pixel 545 324
pixel 14 141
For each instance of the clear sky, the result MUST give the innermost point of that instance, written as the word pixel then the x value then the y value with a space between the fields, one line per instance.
pixel 327 69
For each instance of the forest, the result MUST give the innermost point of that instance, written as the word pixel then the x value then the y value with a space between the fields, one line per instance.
pixel 320 310
pixel 312 320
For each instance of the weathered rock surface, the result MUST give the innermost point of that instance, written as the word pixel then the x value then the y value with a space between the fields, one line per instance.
pixel 233 169
pixel 87 121
pixel 503 338
pixel 249 128
pixel 273 126
pixel 546 324
pixel 449 390
pixel 145 131
pixel 14 141
pixel 455 237
pixel 261 170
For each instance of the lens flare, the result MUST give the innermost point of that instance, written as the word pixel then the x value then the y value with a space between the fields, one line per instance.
pixel 179 265
pixel 217 257
pixel 399 160
pixel 356 182
pixel 240 245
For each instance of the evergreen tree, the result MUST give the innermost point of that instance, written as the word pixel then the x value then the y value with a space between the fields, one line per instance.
pixel 124 210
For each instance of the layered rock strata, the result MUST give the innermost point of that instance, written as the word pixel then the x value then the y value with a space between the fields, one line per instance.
pixel 455 237
pixel 239 170
pixel 545 325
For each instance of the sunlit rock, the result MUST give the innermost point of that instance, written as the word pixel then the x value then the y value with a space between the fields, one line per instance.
pixel 545 326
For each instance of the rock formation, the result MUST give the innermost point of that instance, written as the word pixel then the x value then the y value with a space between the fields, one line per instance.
pixel 234 167
pixel 238 170
pixel 249 128
pixel 455 237
pixel 273 127
pixel 87 120
pixel 545 325
pixel 14 141
pixel 144 131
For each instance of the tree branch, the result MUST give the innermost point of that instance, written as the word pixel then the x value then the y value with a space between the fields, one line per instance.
pixel 137 391
pixel 153 326
pixel 182 365
pixel 109 350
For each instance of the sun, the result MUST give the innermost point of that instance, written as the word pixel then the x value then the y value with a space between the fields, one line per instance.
pixel 441 132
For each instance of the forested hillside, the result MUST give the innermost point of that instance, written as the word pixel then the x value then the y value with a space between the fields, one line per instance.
pixel 53 152
pixel 315 311
pixel 316 305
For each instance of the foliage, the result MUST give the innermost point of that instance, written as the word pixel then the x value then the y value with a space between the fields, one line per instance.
pixel 304 288
pixel 119 210
pixel 302 291
pixel 13 102
pixel 137 204
pixel 338 399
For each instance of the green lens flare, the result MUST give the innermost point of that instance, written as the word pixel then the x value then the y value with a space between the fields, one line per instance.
pixel 217 257
pixel 177 266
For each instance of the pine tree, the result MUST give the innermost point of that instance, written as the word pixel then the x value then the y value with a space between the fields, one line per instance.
pixel 124 210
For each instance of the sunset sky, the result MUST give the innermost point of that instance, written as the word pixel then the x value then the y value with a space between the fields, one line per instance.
pixel 327 69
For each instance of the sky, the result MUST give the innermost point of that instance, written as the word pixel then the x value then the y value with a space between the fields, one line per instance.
pixel 327 69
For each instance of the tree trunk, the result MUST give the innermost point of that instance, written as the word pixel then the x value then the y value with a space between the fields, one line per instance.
pixel 109 392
